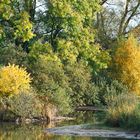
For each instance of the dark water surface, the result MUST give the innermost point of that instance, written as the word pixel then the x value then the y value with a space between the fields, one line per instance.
pixel 11 131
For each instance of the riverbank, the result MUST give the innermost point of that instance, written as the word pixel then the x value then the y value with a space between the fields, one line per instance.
pixel 80 130
pixel 37 120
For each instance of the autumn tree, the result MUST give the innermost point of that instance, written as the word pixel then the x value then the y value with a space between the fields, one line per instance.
pixel 125 64
pixel 13 80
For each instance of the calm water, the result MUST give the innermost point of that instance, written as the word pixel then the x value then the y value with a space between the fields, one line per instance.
pixel 9 131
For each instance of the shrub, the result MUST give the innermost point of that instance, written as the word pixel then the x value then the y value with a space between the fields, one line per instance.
pixel 25 105
pixel 125 64
pixel 120 110
pixel 51 82
pixel 13 80
pixel 108 88
pixel 64 85
pixel 84 91
pixel 132 121
pixel 62 100
pixel 13 55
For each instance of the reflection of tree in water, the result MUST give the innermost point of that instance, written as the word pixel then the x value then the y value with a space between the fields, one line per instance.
pixel 24 132
pixel 84 117
pixel 88 117
pixel 31 132
pixel 10 131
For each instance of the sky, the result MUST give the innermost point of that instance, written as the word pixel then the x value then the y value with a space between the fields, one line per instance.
pixel 114 5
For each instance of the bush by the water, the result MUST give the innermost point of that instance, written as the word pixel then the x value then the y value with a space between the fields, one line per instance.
pixel 122 106
pixel 108 88
pixel 65 85
pixel 51 83
pixel 24 105
pixel 123 111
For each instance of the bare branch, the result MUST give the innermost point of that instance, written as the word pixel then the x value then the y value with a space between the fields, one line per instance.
pixel 131 16
pixel 103 2
pixel 123 17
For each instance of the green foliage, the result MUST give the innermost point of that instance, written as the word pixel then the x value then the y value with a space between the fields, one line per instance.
pixel 70 85
pixel 72 16
pixel 62 101
pixel 132 121
pixel 13 55
pixel 25 105
pixel 71 33
pixel 23 27
pixel 121 109
pixel 46 71
pixel 14 22
pixel 51 83
pixel 37 49
pixel 93 55
pixel 84 92
pixel 108 89
pixel 6 10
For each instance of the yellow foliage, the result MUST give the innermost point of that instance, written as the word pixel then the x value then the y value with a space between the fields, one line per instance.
pixel 24 27
pixel 126 64
pixel 13 79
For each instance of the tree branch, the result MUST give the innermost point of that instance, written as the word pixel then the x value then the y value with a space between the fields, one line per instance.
pixel 103 2
pixel 131 16
pixel 123 17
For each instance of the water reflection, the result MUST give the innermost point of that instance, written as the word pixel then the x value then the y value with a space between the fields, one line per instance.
pixel 34 132
pixel 9 131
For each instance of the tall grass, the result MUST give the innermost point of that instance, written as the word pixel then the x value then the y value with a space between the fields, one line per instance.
pixel 124 111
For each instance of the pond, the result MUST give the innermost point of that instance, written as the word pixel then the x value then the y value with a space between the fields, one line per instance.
pixel 11 131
